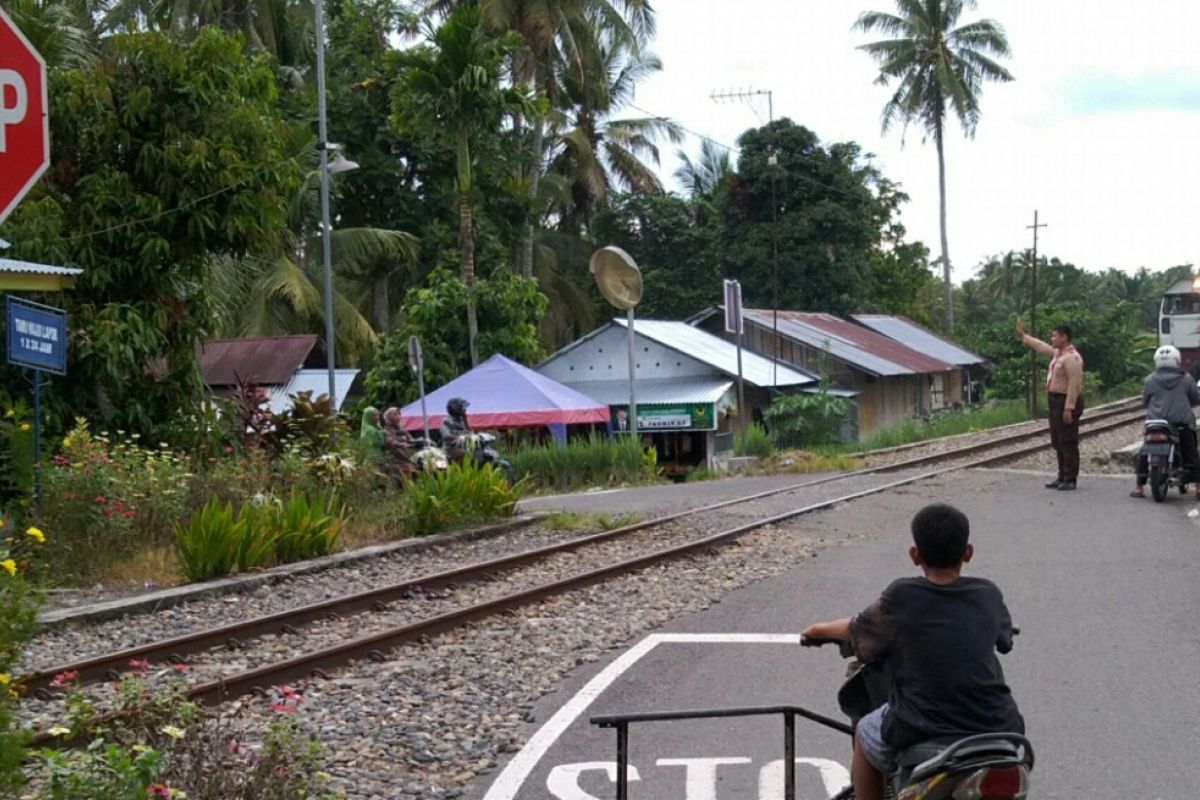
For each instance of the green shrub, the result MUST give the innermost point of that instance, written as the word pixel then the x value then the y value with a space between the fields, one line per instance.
pixel 216 540
pixel 110 498
pixel 255 541
pixel 304 527
pixel 808 419
pixel 208 545
pixel 757 443
pixel 20 561
pixel 595 461
pixel 464 493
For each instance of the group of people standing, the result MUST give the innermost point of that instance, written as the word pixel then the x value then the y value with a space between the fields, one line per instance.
pixel 1169 394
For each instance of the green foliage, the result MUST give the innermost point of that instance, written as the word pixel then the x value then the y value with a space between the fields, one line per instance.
pixel 209 545
pixel 169 155
pixel 509 309
pixel 835 209
pixel 216 540
pixel 159 744
pixel 576 521
pixel 16 451
pixel 464 493
pixel 311 425
pixel 808 419
pixel 108 498
pixel 1108 339
pixel 757 443
pixel 594 461
pixel 952 423
pixel 20 561
pixel 305 527
pixel 675 249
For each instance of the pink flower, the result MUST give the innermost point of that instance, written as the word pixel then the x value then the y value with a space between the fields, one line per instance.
pixel 180 668
pixel 232 747
pixel 101 499
pixel 140 664
pixel 282 708
pixel 64 679
pixel 290 693
pixel 228 450
pixel 158 790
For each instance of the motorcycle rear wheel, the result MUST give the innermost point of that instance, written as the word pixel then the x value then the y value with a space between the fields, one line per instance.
pixel 1158 483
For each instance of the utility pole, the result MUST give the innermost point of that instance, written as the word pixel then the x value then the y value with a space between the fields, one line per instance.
pixel 773 168
pixel 1033 383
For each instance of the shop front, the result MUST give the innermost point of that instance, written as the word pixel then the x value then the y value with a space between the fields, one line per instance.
pixel 681 433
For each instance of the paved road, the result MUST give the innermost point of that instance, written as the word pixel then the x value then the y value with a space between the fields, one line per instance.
pixel 1105 589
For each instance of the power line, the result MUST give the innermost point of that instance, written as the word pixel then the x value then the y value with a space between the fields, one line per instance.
pixel 184 206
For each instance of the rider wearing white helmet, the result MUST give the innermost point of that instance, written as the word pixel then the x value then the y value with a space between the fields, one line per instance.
pixel 1170 394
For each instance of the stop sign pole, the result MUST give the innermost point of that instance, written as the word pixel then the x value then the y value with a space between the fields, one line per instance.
pixel 24 120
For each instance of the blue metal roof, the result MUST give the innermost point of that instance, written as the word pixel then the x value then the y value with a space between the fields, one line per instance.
pixel 919 338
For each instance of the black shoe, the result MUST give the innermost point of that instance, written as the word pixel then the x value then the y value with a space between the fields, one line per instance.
pixel 1066 486
pixel 1055 484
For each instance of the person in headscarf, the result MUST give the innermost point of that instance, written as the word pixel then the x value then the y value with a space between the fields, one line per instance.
pixel 370 433
pixel 397 446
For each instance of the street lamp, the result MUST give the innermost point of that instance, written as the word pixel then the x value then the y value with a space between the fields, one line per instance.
pixel 339 164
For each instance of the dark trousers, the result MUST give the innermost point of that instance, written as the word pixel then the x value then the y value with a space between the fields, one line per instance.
pixel 1064 438
pixel 1187 448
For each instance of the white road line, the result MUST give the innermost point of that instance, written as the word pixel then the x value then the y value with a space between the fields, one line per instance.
pixel 548 498
pixel 510 780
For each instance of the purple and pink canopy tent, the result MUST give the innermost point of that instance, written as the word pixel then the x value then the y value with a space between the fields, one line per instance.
pixel 505 394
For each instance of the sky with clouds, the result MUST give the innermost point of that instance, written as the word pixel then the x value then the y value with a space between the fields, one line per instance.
pixel 1098 132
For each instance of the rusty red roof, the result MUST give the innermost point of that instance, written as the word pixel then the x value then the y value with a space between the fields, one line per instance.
pixel 262 360
pixel 854 344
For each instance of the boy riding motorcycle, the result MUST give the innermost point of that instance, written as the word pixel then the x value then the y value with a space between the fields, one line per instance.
pixel 939 635
pixel 1169 395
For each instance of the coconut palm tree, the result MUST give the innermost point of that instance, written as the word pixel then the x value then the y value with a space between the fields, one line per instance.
pixel 554 33
pixel 940 70
pixel 596 153
pixel 61 32
pixel 268 295
pixel 450 97
pixel 701 178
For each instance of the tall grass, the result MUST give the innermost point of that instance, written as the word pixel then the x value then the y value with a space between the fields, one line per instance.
pixel 954 423
pixel 595 461
pixel 466 492
pixel 757 443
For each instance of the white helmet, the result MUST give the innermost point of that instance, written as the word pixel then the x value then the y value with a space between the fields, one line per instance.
pixel 1167 356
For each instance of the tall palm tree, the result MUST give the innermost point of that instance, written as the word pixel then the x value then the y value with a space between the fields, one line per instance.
pixel 264 296
pixel 701 178
pixel 595 152
pixel 553 34
pixel 451 97
pixel 940 70
pixel 61 32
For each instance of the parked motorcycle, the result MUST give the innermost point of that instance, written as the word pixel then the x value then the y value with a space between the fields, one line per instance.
pixel 428 457
pixel 1164 458
pixel 991 766
pixel 480 447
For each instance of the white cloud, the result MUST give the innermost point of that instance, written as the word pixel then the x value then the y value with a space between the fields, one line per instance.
pixel 1098 132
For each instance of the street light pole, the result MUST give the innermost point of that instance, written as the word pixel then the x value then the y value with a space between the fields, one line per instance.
pixel 326 227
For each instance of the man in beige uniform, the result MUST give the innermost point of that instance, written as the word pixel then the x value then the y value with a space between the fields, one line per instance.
pixel 1064 385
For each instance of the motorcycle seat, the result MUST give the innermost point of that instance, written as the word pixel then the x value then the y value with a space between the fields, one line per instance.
pixel 982 749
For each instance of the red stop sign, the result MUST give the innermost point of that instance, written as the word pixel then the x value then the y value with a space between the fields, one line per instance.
pixel 24 124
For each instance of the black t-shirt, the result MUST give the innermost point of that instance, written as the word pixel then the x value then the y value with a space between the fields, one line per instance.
pixel 940 643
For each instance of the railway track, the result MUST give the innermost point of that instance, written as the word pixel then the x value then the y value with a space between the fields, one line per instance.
pixel 318 661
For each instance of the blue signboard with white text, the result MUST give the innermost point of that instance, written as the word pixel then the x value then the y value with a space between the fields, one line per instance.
pixel 37 336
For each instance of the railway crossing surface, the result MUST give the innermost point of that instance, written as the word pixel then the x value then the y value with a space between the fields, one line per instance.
pixel 1103 586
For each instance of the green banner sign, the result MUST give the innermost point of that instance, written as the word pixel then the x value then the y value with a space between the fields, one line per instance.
pixel 682 417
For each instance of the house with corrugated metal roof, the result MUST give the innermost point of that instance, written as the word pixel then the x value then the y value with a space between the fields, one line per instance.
pixel 685 382
pixel 283 366
pixel 893 382
pixel 967 385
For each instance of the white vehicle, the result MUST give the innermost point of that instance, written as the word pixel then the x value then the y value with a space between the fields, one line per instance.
pixel 1179 322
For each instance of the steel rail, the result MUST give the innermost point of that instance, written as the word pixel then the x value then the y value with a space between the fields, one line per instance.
pixel 318 662
pixel 375 646
pixel 175 650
